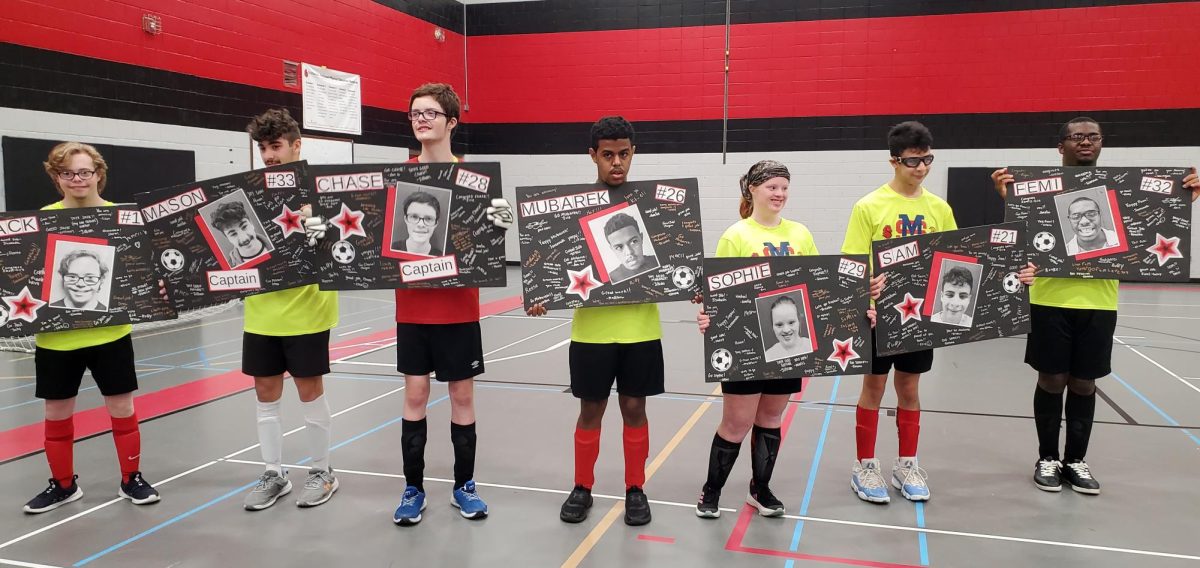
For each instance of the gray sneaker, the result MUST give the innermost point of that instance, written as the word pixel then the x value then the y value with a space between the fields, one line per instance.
pixel 318 487
pixel 270 487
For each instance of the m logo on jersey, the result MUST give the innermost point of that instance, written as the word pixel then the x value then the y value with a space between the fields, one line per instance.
pixel 784 249
pixel 905 227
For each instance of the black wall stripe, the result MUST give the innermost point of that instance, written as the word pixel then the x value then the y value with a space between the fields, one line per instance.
pixel 548 16
pixel 445 13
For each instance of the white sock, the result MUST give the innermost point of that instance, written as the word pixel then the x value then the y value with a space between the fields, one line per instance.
pixel 317 420
pixel 270 435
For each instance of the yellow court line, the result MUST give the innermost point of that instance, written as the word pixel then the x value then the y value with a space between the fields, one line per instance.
pixel 619 507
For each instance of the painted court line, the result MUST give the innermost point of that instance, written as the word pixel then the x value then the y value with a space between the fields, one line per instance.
pixel 343 334
pixel 1157 364
pixel 6 562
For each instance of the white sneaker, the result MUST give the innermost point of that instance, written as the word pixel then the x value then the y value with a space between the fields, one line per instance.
pixel 909 478
pixel 867 482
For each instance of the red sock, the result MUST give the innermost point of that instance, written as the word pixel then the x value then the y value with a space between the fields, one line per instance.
pixel 866 425
pixel 128 440
pixel 60 450
pixel 587 449
pixel 637 449
pixel 908 424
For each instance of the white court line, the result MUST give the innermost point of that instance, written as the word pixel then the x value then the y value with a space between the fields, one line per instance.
pixel 1157 364
pixel 1159 317
pixel 538 352
pixel 353 332
pixel 543 332
pixel 1129 337
pixel 531 317
pixel 1157 304
pixel 6 562
pixel 794 517
pixel 367 363
pixel 552 347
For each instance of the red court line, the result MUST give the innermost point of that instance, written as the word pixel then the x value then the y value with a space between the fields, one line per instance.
pixel 28 439
pixel 652 538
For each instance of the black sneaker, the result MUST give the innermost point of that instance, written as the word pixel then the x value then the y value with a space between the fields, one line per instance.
pixel 1080 477
pixel 1045 475
pixel 575 508
pixel 765 501
pixel 637 507
pixel 54 496
pixel 138 491
pixel 707 507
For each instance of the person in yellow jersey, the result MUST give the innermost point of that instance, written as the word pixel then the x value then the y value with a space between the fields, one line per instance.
pixel 79 173
pixel 756 406
pixel 1070 342
pixel 288 331
pixel 621 343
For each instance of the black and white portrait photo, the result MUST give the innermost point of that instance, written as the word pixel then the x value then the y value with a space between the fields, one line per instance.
pixel 1086 218
pixel 783 325
pixel 419 220
pixel 620 239
pixel 956 293
pixel 82 278
pixel 236 230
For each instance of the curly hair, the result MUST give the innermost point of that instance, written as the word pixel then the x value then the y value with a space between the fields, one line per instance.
pixel 228 215
pixel 273 124
pixel 910 135
pixel 61 154
pixel 611 128
pixel 958 276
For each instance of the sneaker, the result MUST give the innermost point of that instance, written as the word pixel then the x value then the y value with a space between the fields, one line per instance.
pixel 469 505
pixel 707 507
pixel 575 508
pixel 867 482
pixel 1080 477
pixel 411 505
pixel 909 478
pixel 762 499
pixel 637 507
pixel 1045 475
pixel 138 491
pixel 270 487
pixel 319 486
pixel 54 496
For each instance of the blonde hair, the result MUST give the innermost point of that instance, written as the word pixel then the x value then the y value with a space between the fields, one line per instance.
pixel 61 154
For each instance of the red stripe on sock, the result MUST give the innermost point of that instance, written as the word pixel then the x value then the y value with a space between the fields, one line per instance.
pixel 866 427
pixel 908 426
pixel 128 439
pixel 587 450
pixel 60 450
pixel 637 449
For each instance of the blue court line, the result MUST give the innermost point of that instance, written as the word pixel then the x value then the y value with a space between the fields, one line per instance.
pixel 203 355
pixel 1160 412
pixel 920 507
pixel 237 491
pixel 812 472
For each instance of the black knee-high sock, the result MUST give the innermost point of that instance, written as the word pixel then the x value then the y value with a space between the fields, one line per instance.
pixel 412 450
pixel 1081 411
pixel 1047 416
pixel 463 438
pixel 764 448
pixel 721 458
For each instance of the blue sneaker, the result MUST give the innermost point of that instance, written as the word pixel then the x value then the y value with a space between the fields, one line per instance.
pixel 909 478
pixel 867 482
pixel 470 506
pixel 411 505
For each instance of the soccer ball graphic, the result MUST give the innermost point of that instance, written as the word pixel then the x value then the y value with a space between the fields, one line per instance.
pixel 172 260
pixel 1012 284
pixel 683 277
pixel 721 360
pixel 3 314
pixel 1043 241
pixel 343 252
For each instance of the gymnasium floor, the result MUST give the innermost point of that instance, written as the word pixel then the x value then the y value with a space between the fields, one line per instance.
pixel 977 443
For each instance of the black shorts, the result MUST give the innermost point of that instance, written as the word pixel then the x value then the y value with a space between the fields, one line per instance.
pixel 636 367
pixel 60 372
pixel 449 351
pixel 299 355
pixel 916 362
pixel 1072 341
pixel 773 386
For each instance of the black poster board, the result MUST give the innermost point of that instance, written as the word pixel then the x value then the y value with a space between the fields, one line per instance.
pixel 782 317
pixel 235 236
pixel 409 226
pixel 950 287
pixel 1138 219
pixel 594 245
pixel 81 268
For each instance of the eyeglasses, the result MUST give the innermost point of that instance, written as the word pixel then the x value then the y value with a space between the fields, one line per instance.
pixel 68 175
pixel 87 279
pixel 1080 137
pixel 1091 215
pixel 421 220
pixel 427 114
pixel 915 161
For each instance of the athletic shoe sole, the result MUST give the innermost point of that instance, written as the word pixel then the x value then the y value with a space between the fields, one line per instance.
pixel 707 514
pixel 864 497
pixel 763 510
pixel 323 499
pixel 906 494
pixel 473 516
pixel 151 499
pixel 1085 490
pixel 75 497
pixel 412 521
pixel 286 489
pixel 1047 488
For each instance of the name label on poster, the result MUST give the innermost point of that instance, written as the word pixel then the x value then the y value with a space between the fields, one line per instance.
pixel 173 205
pixel 18 226
pixel 899 254
pixel 564 203
pixel 671 194
pixel 739 276
pixel 350 182
pixel 428 269
pixel 226 280
pixel 1036 186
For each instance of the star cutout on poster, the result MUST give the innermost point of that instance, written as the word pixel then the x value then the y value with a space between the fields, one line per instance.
pixel 1165 249
pixel 290 221
pixel 843 352
pixel 23 306
pixel 349 223
pixel 581 282
pixel 910 308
